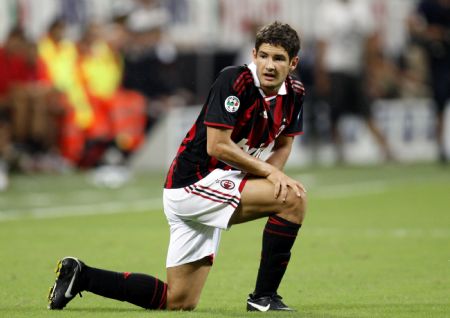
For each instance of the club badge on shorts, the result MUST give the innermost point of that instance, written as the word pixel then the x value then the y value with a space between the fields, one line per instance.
pixel 232 104
pixel 227 184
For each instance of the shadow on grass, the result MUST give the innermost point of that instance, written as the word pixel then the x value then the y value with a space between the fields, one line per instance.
pixel 374 310
pixel 306 311
pixel 105 310
pixel 340 311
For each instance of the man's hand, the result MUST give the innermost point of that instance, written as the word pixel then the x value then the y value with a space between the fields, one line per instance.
pixel 223 148
pixel 282 184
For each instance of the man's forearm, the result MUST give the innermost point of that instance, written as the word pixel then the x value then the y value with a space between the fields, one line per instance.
pixel 233 155
pixel 280 152
pixel 279 157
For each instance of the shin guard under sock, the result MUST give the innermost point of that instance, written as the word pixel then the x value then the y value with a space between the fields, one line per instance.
pixel 278 238
pixel 139 289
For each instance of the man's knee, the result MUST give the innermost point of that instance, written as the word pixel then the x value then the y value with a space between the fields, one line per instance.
pixel 181 302
pixel 294 209
pixel 181 305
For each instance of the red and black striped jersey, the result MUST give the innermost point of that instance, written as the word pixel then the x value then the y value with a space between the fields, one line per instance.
pixel 236 102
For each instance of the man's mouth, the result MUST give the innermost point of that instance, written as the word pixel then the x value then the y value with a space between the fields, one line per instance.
pixel 269 76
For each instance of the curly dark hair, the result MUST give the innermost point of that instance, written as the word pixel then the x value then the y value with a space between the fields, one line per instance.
pixel 279 34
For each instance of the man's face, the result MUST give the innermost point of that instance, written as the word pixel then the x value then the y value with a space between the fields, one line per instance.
pixel 272 67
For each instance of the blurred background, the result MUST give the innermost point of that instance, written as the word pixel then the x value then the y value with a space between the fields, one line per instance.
pixel 96 96
pixel 110 87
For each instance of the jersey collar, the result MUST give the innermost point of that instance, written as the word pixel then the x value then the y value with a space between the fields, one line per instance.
pixel 281 91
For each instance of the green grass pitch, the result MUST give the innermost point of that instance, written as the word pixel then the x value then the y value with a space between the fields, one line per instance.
pixel 376 243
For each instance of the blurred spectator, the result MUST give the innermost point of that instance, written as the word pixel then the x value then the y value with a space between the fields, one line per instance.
pixel 316 116
pixel 382 75
pixel 60 57
pixel 244 55
pixel 430 25
pixel 413 70
pixel 89 75
pixel 100 64
pixel 8 62
pixel 100 71
pixel 119 114
pixel 344 37
pixel 150 59
pixel 5 146
pixel 31 105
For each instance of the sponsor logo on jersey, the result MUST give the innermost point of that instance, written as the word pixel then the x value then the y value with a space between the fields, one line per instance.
pixel 227 184
pixel 232 104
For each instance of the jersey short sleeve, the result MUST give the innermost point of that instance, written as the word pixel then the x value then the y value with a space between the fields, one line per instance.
pixel 295 126
pixel 225 100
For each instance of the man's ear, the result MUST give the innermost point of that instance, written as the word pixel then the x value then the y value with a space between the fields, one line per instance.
pixel 294 63
pixel 254 53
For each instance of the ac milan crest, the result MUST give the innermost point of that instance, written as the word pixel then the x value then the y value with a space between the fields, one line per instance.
pixel 227 184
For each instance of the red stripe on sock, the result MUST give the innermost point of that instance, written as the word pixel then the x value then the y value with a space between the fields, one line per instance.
pixel 126 274
pixel 272 220
pixel 162 304
pixel 280 233
pixel 154 291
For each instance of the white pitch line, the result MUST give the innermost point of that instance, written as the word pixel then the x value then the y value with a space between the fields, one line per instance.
pixel 142 205
pixel 40 198
pixel 336 191
pixel 83 209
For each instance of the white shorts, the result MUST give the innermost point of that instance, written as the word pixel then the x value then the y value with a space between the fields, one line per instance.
pixel 198 213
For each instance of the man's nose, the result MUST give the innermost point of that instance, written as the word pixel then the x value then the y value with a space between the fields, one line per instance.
pixel 270 65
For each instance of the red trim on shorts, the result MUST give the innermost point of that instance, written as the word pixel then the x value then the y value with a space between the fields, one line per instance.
pixel 126 274
pixel 216 191
pixel 242 184
pixel 211 194
pixel 211 258
pixel 220 201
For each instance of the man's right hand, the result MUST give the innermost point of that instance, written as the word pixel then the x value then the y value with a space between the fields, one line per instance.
pixel 282 184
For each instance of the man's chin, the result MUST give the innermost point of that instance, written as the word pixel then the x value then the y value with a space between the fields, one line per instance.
pixel 268 87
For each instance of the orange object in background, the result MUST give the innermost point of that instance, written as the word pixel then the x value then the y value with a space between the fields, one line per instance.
pixel 128 119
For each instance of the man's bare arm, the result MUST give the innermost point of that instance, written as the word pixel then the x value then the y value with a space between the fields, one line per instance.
pixel 281 151
pixel 220 146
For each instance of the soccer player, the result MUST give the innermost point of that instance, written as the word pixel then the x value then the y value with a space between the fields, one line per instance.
pixel 218 179
pixel 430 24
